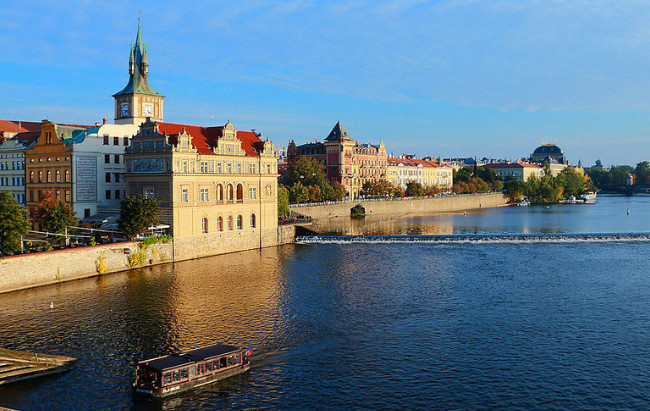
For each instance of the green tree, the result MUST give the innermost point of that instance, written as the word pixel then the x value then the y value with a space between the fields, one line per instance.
pixel 298 193
pixel 642 172
pixel 463 175
pixel 54 216
pixel 283 200
pixel 14 223
pixel 314 194
pixel 572 182
pixel 137 214
pixel 414 189
pixel 514 189
pixel 339 191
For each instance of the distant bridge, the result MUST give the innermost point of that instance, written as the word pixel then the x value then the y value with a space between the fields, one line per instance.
pixel 625 189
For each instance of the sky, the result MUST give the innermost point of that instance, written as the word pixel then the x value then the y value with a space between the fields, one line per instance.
pixel 441 78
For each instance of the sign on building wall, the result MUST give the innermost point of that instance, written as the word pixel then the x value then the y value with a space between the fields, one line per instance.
pixel 148 165
pixel 86 178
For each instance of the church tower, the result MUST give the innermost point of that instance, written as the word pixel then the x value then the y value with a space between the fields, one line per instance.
pixel 138 100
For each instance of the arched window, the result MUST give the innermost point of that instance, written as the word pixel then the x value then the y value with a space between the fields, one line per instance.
pixel 252 220
pixel 40 176
pixel 67 176
pixel 220 223
pixel 230 192
pixel 58 176
pixel 229 222
pixel 219 192
pixel 239 222
pixel 31 176
pixel 49 176
pixel 240 193
pixel 204 225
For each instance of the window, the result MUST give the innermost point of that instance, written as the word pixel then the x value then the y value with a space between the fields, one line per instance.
pixel 116 141
pixel 116 158
pixel 116 177
pixel 184 163
pixel 208 366
pixel 215 364
pixel 148 192
pixel 107 178
pixel 126 141
pixel 219 192
pixel 229 168
pixel 252 220
pixel 183 373
pixel 204 225
pixel 268 169
pixel 229 222
pixel 219 168
pixel 117 194
pixel 238 168
pixel 67 196
pixel 58 176
pixel 107 158
pixel 184 197
pixel 220 223
pixel 237 358
pixel 240 193
pixel 176 376
pixel 204 166
pixel 239 222
pixel 252 193
pixel 230 360
pixel 67 176
pixel 222 362
pixel 40 176
pixel 193 371
pixel 167 378
pixel 105 140
pixel 108 194
pixel 204 194
pixel 31 176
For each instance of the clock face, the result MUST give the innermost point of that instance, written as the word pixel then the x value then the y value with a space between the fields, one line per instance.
pixel 125 109
pixel 147 110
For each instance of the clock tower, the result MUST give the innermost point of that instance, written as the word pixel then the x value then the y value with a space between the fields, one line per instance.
pixel 138 100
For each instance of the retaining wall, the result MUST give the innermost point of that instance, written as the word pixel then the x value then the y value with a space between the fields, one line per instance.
pixel 405 206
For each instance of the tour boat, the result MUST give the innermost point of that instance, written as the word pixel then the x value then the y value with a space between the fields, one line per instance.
pixel 171 374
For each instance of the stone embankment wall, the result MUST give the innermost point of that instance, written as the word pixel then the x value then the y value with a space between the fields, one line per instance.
pixel 405 206
pixel 32 270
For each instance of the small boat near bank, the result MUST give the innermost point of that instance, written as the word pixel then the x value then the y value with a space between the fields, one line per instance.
pixel 171 374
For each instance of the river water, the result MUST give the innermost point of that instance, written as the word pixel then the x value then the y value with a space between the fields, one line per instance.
pixel 457 325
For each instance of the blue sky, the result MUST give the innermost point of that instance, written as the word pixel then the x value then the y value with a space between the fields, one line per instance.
pixel 442 78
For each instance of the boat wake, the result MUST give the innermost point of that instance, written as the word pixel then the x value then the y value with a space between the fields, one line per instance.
pixel 475 238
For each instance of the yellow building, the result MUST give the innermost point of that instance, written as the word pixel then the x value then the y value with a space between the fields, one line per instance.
pixel 516 171
pixel 216 185
pixel 428 173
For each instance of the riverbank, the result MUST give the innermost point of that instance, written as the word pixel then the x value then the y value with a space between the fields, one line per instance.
pixel 403 206
pixel 24 271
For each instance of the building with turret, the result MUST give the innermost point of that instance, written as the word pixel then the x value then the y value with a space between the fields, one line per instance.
pixel 346 161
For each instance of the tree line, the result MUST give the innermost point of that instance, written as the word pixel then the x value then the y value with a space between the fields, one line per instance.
pixel 617 175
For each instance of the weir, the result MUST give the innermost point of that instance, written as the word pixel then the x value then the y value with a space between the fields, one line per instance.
pixel 475 238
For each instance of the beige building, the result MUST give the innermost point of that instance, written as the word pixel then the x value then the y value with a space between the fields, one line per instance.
pixel 214 183
pixel 429 173
pixel 517 171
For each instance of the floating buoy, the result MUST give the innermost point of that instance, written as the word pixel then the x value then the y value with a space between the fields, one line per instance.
pixel 51 304
pixel 628 211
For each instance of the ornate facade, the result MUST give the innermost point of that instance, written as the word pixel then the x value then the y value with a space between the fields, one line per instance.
pixel 345 161
pixel 210 181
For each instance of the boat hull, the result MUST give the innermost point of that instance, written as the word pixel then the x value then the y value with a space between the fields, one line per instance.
pixel 186 386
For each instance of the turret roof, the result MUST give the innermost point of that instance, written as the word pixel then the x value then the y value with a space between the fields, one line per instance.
pixel 138 70
pixel 338 132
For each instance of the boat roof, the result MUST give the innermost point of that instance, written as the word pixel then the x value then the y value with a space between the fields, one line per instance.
pixel 188 357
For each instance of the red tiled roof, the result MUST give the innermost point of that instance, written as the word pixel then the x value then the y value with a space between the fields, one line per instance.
pixel 14 126
pixel 413 162
pixel 204 138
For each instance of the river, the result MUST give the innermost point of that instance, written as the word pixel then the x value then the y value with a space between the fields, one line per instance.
pixel 471 325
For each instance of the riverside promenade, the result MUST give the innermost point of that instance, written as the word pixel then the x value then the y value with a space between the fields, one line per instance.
pixel 402 206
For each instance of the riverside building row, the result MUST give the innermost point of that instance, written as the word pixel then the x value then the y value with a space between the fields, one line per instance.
pixel 217 185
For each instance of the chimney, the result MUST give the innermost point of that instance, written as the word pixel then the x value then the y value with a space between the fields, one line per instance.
pixel 104 121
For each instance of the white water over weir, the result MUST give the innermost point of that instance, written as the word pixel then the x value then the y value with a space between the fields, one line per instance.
pixel 475 238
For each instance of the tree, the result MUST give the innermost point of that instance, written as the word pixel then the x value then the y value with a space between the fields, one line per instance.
pixel 463 175
pixel 137 214
pixel 514 189
pixel 55 216
pixel 415 189
pixel 642 172
pixel 283 200
pixel 314 194
pixel 339 191
pixel 298 193
pixel 14 223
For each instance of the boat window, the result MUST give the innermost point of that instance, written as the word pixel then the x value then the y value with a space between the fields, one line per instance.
pixel 216 364
pixel 237 358
pixel 208 366
pixel 183 373
pixel 193 371
pixel 222 362
pixel 230 360
pixel 167 378
pixel 175 376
